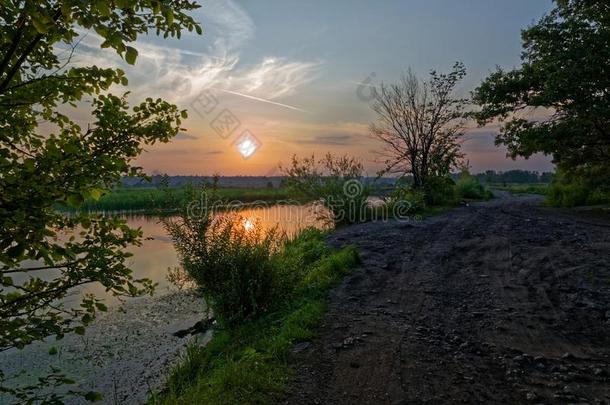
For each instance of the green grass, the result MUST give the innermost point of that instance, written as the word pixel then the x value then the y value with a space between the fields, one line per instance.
pixel 150 199
pixel 249 363
pixel 537 188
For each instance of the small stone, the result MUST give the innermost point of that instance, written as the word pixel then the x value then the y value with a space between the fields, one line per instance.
pixel 348 341
pixel 531 396
pixel 301 347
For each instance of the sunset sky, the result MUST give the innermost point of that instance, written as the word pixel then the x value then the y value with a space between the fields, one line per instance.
pixel 289 72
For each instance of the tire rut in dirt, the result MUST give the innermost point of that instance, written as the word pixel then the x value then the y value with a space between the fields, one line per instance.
pixel 500 302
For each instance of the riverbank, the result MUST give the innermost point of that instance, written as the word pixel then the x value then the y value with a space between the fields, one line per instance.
pixel 154 200
pixel 125 353
pixel 248 362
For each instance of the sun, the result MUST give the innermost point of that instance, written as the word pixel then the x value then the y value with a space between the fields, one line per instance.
pixel 247 144
pixel 247 148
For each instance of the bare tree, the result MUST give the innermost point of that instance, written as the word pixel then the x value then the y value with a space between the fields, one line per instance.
pixel 420 124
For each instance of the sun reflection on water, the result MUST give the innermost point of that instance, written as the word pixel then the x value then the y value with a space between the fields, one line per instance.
pixel 248 224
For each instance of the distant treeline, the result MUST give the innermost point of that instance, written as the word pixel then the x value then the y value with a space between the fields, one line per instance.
pixel 515 177
pixel 488 177
pixel 225 181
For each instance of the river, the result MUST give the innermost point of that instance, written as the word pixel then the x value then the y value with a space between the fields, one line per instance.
pixel 129 350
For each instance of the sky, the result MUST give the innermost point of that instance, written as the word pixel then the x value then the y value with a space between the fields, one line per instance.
pixel 283 77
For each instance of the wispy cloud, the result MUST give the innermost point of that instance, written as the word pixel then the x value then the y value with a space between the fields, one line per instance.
pixel 179 75
pixel 276 77
pixel 183 136
pixel 334 139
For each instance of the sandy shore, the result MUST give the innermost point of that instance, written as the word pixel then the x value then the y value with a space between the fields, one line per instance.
pixel 125 354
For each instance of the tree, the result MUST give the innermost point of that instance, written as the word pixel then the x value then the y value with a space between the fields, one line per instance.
pixel 419 124
pixel 62 163
pixel 565 80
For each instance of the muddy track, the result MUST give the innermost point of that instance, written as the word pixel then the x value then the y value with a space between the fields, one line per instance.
pixel 499 302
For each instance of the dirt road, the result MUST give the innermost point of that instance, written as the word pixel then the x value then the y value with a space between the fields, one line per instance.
pixel 499 302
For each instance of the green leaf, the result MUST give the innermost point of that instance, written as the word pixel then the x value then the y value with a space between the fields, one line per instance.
pixel 198 29
pixel 169 16
pixel 86 319
pixel 103 8
pixel 79 330
pixel 53 351
pixel 16 251
pixel 40 25
pixel 75 200
pixel 130 55
pixel 97 193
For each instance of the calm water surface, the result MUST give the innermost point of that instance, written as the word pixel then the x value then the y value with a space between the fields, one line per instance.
pixel 157 254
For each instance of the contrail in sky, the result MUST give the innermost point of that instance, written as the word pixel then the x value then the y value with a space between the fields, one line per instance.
pixel 264 100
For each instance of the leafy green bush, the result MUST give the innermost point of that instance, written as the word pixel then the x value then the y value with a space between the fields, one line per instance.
pixel 573 195
pixel 586 186
pixel 566 195
pixel 599 196
pixel 469 187
pixel 234 268
pixel 407 200
pixel 336 181
pixel 439 191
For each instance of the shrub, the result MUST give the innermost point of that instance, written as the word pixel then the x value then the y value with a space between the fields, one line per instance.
pixel 573 195
pixel 599 196
pixel 469 187
pixel 566 195
pixel 406 200
pixel 588 186
pixel 233 267
pixel 336 181
pixel 439 191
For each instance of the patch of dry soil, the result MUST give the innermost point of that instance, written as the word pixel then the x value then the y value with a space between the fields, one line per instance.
pixel 499 302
